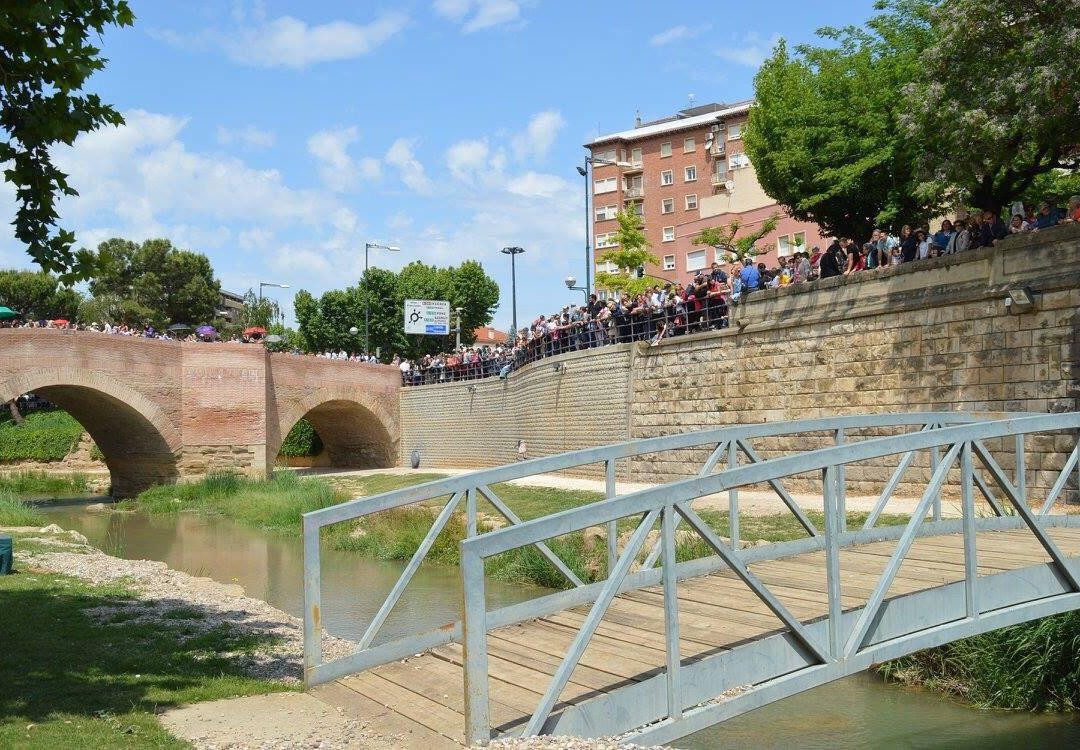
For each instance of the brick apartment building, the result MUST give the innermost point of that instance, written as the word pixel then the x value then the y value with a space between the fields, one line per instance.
pixel 687 172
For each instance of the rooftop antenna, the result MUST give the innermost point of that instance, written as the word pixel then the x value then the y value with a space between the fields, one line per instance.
pixel 691 99
pixel 637 118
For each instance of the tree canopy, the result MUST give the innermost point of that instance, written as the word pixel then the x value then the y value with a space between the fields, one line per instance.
pixel 996 98
pixel 725 238
pixel 38 295
pixel 630 256
pixel 824 133
pixel 46 57
pixel 324 323
pixel 156 279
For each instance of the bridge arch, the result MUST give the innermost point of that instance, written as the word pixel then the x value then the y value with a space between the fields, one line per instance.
pixel 355 427
pixel 138 440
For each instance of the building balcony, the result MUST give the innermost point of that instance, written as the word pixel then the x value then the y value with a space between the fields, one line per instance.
pixel 634 166
pixel 632 193
pixel 719 179
pixel 719 148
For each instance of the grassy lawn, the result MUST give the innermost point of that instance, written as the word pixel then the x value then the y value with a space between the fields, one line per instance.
pixel 71 683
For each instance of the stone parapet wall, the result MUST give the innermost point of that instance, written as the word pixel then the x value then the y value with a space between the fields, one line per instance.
pixel 929 336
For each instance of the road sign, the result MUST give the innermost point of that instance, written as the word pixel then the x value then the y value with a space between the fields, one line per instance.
pixel 428 317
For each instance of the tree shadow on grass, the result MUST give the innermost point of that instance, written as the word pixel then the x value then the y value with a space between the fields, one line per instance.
pixel 55 659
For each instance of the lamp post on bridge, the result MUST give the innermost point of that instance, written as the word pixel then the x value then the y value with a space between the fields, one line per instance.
pixel 368 246
pixel 584 172
pixel 512 252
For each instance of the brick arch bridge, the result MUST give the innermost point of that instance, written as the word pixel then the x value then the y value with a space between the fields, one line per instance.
pixel 163 410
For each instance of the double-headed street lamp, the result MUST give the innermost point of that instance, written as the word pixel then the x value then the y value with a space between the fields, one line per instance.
pixel 270 284
pixel 584 172
pixel 513 251
pixel 369 246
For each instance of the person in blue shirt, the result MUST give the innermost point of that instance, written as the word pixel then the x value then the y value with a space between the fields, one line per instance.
pixel 750 276
pixel 1048 216
pixel 943 235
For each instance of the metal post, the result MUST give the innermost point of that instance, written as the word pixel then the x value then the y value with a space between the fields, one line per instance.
pixel 312 600
pixel 971 563
pixel 612 527
pixel 367 301
pixel 935 458
pixel 1021 473
pixel 832 556
pixel 588 233
pixel 470 512
pixel 671 613
pixel 474 644
pixel 733 497
pixel 512 251
pixel 458 311
pixel 841 487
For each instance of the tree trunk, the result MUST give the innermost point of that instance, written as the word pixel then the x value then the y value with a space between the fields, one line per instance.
pixel 13 407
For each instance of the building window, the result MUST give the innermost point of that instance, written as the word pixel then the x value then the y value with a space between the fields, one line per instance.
pixel 635 156
pixel 606 267
pixel 667 206
pixel 720 256
pixel 799 238
pixel 605 240
pixel 608 155
pixel 721 169
pixel 669 262
pixel 665 149
pixel 783 243
pixel 739 161
pixel 607 185
pixel 691 202
pixel 667 177
pixel 603 213
pixel 638 208
pixel 734 132
pixel 689 146
pixel 690 174
pixel 695 260
pixel 669 234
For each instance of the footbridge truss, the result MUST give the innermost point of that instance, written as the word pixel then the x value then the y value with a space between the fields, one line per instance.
pixel 667 643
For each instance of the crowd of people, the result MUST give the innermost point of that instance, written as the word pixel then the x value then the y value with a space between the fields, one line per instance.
pixel 703 303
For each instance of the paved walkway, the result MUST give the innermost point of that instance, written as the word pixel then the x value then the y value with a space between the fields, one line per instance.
pixel 753 503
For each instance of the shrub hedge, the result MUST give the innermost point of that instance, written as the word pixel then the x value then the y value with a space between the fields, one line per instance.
pixel 302 440
pixel 43 436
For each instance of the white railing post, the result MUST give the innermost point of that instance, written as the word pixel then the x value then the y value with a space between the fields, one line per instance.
pixel 470 513
pixel 474 645
pixel 612 526
pixel 841 487
pixel 935 458
pixel 1021 473
pixel 971 563
pixel 312 600
pixel 671 613
pixel 733 497
pixel 832 557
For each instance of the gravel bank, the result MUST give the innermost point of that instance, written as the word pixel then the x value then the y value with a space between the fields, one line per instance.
pixel 161 592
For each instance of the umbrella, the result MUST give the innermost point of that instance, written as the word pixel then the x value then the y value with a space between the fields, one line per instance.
pixel 206 331
pixel 255 331
pixel 59 322
pixel 274 339
pixel 6 313
pixel 179 327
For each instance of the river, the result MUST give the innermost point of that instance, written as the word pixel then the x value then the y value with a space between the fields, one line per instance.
pixel 858 712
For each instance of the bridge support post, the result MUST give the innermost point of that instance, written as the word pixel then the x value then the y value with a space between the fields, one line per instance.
pixel 841 487
pixel 671 613
pixel 733 497
pixel 312 600
pixel 971 562
pixel 474 644
pixel 935 459
pixel 830 495
pixel 612 529
pixel 1021 470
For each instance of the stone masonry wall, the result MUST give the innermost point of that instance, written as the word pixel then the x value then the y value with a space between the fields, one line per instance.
pixel 479 423
pixel 934 335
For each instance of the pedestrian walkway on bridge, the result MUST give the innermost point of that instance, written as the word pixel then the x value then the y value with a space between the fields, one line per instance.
pixel 660 648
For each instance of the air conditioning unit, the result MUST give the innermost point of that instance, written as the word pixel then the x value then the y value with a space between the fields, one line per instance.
pixel 729 185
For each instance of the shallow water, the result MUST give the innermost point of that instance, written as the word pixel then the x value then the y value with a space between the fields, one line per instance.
pixel 858 712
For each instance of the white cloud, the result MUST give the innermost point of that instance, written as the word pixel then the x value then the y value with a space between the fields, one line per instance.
pixel 674 34
pixel 534 185
pixel 289 42
pixel 411 171
pixel 750 50
pixel 248 136
pixel 539 136
pixel 338 170
pixel 466 158
pixel 476 15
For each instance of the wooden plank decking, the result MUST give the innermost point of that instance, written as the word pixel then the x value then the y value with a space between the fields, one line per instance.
pixel 421 699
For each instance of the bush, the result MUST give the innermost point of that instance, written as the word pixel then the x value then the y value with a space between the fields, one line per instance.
pixel 302 440
pixel 43 436
pixel 1034 666
pixel 16 512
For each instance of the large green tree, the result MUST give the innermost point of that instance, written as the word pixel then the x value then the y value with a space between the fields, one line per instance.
pixel 998 97
pixel 38 295
pixel 825 133
pixel 178 286
pixel 46 56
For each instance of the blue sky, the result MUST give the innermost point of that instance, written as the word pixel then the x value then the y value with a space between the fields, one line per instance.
pixel 276 137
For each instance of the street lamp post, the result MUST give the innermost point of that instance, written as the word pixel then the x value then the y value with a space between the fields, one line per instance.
pixel 584 172
pixel 270 284
pixel 512 251
pixel 570 281
pixel 368 246
pixel 458 311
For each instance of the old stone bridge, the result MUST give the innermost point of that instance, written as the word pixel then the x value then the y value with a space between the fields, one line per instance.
pixel 162 410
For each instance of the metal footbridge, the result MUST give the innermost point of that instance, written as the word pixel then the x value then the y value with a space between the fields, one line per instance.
pixel 661 647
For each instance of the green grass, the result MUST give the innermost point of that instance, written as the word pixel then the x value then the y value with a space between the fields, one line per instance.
pixel 43 436
pixel 15 512
pixel 43 483
pixel 70 683
pixel 1034 666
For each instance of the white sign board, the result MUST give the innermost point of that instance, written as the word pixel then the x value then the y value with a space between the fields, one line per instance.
pixel 427 316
